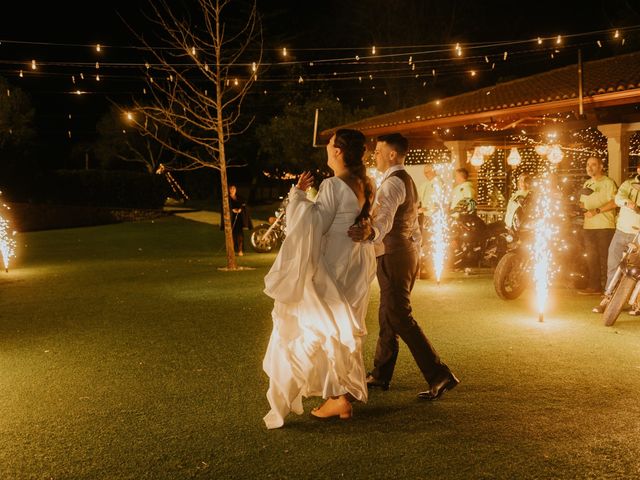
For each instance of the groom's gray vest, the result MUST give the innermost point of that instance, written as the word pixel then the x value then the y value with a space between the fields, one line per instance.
pixel 400 238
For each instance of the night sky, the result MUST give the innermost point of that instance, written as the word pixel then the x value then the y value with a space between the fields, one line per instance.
pixel 312 32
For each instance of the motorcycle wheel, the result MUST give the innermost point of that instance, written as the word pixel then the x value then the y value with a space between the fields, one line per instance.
pixel 260 242
pixel 509 276
pixel 618 300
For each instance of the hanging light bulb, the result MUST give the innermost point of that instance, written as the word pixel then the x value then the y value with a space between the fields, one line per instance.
pixel 33 65
pixel 555 154
pixel 559 40
pixel 476 159
pixel 98 48
pixel 193 51
pixel 373 50
pixel 254 67
pixel 284 52
pixel 616 34
pixel 542 150
pixel 539 41
pixel 514 157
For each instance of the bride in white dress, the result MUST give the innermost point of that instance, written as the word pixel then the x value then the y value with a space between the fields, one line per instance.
pixel 320 285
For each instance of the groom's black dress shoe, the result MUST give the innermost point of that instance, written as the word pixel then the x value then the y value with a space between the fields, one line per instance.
pixel 440 387
pixel 372 382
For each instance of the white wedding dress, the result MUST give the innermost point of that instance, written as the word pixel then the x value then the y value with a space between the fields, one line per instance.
pixel 320 283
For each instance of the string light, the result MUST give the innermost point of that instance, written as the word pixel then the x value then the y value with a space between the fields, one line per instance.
pixel 373 50
pixel 33 65
pixel 616 34
pixel 98 48
pixel 284 52
pixel 539 41
pixel 21 74
pixel 558 40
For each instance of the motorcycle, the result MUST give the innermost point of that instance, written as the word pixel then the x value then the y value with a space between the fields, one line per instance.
pixel 269 236
pixel 473 243
pixel 624 286
pixel 514 270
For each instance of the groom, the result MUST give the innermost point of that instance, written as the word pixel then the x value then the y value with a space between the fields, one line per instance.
pixel 396 235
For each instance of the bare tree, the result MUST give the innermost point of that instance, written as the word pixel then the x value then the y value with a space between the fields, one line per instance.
pixel 203 68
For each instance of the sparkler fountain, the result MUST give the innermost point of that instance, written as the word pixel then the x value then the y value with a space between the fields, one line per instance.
pixel 439 227
pixel 545 208
pixel 7 243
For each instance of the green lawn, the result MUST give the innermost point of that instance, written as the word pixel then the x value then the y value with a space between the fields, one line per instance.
pixel 125 353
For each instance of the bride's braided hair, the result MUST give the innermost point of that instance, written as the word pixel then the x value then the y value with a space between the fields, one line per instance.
pixel 352 144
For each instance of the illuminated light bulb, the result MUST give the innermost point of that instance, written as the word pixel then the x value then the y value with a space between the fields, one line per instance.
pixel 150 79
pixel 385 92
pixel 69 133
pixel 433 72
pixel 73 79
pixel 97 66
pixel 539 41
pixel 311 64
pixel 623 40
pixel 33 65
pixel 413 66
pixel 373 50
pixel 542 150
pixel 410 59
pixel 235 82
pixel 486 59
pixel 193 51
pixel 504 56
pixel 254 67
pixel 144 91
pixel 21 75
pixel 129 116
pixel 300 79
pixel 493 65
pixel 370 77
pixel 357 58
pixel 473 73
pixel 81 75
pixel 555 154
pixel 616 34
pixel 8 92
pixel 98 48
pixel 146 64
pixel 599 43
pixel 78 92
pixel 514 157
pixel 558 40
pixel 284 52
pixel 437 102
pixel 97 78
pixel 476 159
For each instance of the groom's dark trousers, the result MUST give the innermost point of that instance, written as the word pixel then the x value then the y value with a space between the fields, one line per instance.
pixel 397 274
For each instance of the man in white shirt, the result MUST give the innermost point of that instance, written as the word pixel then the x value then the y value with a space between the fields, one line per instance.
pixel 396 236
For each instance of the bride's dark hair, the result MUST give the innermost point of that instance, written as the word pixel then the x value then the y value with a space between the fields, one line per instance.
pixel 352 143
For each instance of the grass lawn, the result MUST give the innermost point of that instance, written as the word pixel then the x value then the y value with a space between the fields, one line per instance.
pixel 125 353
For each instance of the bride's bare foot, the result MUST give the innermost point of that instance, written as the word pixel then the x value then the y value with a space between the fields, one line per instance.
pixel 334 407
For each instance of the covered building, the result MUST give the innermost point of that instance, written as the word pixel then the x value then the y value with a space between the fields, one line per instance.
pixel 591 108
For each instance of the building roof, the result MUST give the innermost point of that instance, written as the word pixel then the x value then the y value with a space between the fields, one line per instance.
pixel 613 80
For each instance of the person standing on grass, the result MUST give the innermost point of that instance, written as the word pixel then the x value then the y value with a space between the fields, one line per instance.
pixel 320 285
pixel 599 223
pixel 396 235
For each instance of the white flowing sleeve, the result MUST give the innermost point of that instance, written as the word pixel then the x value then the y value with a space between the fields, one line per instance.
pixel 298 258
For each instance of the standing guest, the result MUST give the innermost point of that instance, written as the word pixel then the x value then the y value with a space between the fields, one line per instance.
pixel 628 200
pixel 239 219
pixel 517 199
pixel 427 192
pixel 320 285
pixel 396 236
pixel 599 223
pixel 463 194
